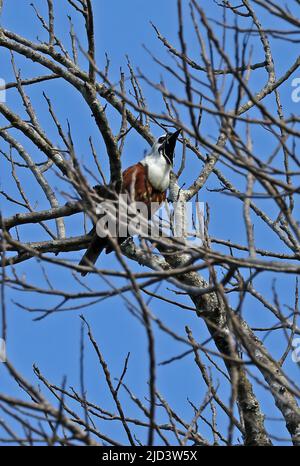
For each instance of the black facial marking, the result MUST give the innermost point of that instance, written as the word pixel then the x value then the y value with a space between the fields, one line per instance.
pixel 169 146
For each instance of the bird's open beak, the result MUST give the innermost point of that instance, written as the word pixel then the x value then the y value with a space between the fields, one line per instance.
pixel 170 144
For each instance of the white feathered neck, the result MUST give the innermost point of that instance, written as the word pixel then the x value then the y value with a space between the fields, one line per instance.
pixel 158 168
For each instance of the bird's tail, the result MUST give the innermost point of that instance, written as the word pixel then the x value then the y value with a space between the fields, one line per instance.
pixel 93 252
pixel 95 248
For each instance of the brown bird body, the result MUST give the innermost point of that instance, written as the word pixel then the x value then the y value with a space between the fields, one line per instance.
pixel 147 182
pixel 136 181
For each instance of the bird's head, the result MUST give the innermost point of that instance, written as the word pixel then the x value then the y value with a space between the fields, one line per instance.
pixel 165 146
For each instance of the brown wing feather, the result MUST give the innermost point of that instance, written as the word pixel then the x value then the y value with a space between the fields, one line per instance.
pixel 137 185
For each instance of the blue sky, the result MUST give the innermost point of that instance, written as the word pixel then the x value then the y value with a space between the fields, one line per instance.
pixel 53 343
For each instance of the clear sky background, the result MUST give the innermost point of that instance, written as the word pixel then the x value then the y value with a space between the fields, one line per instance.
pixel 122 27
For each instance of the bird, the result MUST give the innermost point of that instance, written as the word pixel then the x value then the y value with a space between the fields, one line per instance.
pixel 146 181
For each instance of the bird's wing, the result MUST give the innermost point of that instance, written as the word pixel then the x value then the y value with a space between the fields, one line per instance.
pixel 137 185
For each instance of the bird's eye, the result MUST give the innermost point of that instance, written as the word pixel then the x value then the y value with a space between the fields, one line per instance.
pixel 161 139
